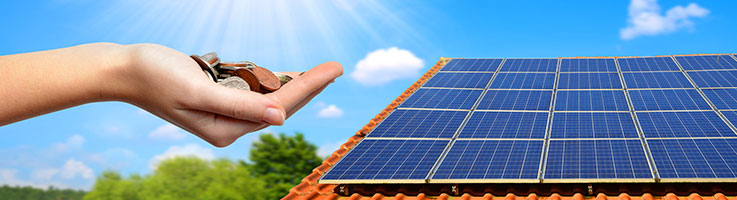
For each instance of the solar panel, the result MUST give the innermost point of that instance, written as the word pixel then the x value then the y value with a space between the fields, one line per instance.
pixel 588 65
pixel 420 123
pixel 530 65
pixel 383 160
pixel 714 78
pixel 523 81
pixel 491 159
pixel 706 62
pixel 647 64
pixel 683 124
pixel 484 65
pixel 668 100
pixel 442 98
pixel 656 80
pixel 530 125
pixel 596 159
pixel 593 125
pixel 722 98
pixel 604 100
pixel 731 116
pixel 515 100
pixel 454 129
pixel 694 158
pixel 589 81
pixel 459 80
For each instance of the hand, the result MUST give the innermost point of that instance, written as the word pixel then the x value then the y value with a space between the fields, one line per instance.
pixel 172 86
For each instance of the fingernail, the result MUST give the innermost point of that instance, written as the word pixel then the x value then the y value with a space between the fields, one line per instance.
pixel 273 116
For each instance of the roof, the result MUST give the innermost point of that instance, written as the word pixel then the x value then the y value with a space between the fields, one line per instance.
pixel 310 189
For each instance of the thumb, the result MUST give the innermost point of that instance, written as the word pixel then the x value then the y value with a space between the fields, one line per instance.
pixel 239 104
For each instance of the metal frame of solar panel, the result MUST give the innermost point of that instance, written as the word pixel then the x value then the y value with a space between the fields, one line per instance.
pixel 547 139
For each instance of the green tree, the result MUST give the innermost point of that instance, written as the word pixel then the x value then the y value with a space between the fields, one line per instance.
pixel 182 178
pixel 27 192
pixel 282 162
pixel 110 185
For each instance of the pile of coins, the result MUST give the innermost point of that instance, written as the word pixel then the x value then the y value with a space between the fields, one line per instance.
pixel 244 75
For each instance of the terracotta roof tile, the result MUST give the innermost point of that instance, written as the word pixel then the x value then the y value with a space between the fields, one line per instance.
pixel 309 189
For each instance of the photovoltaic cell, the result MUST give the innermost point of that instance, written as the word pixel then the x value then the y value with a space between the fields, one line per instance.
pixel 515 100
pixel 442 98
pixel 459 80
pixel 695 158
pixel 483 124
pixel 491 159
pixel 647 64
pixel 683 124
pixel 706 62
pixel 588 65
pixel 593 125
pixel 487 65
pixel 589 81
pixel 388 159
pixel 656 80
pixel 731 116
pixel 603 100
pixel 420 124
pixel 714 78
pixel 523 81
pixel 590 159
pixel 667 100
pixel 530 65
pixel 722 98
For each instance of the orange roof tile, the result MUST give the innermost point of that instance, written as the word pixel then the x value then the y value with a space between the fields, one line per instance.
pixel 310 189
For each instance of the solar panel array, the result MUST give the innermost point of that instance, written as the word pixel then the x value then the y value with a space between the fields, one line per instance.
pixel 642 119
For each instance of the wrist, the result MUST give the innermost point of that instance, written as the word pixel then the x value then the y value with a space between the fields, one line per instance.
pixel 112 78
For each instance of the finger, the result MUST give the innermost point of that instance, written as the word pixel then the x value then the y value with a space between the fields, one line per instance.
pixel 294 92
pixel 239 104
pixel 301 104
pixel 217 130
pixel 304 101
pixel 292 74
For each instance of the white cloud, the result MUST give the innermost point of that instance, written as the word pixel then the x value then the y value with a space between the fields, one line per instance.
pixel 115 158
pixel 645 18
pixel 186 150
pixel 44 174
pixel 72 168
pixel 384 65
pixel 328 148
pixel 8 177
pixel 73 142
pixel 331 111
pixel 167 132
pixel 43 178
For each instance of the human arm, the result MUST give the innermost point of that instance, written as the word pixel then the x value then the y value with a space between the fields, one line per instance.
pixel 161 80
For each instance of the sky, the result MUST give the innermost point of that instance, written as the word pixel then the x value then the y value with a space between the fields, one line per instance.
pixel 383 45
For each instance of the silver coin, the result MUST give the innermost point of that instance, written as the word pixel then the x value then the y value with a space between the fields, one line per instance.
pixel 283 78
pixel 234 82
pixel 208 62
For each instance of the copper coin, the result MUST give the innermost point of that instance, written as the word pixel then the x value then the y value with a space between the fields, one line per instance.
pixel 267 79
pixel 250 78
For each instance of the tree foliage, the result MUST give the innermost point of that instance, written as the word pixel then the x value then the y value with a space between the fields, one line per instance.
pixel 282 161
pixel 278 163
pixel 182 178
pixel 27 192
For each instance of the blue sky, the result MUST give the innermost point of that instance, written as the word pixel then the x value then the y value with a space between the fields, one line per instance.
pixel 400 38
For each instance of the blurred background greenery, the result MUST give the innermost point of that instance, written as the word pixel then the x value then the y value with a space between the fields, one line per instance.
pixel 277 163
